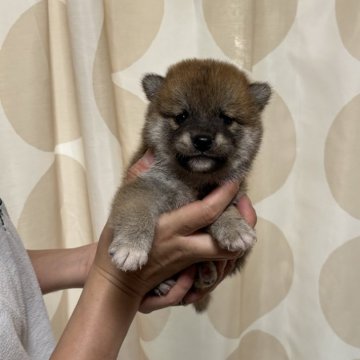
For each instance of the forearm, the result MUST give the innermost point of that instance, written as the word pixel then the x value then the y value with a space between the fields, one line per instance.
pixel 99 322
pixel 62 268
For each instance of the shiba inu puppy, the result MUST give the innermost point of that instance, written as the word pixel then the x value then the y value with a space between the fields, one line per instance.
pixel 203 126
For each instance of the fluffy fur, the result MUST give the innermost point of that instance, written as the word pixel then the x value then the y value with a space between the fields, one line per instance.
pixel 203 126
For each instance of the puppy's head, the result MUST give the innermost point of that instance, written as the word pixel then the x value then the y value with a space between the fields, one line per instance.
pixel 204 118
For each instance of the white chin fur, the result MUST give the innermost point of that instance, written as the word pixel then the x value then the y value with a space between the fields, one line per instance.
pixel 201 164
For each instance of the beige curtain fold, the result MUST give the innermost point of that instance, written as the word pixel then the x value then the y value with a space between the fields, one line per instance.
pixel 71 111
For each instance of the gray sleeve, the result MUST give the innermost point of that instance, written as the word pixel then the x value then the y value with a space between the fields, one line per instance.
pixel 11 344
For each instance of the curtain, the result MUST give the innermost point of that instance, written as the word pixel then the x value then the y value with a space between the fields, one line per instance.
pixel 71 110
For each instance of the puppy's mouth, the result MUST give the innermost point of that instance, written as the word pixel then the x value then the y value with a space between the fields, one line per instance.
pixel 201 163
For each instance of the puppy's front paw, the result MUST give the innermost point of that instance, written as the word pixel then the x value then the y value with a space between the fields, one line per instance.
pixel 164 287
pixel 130 247
pixel 127 258
pixel 235 236
pixel 206 275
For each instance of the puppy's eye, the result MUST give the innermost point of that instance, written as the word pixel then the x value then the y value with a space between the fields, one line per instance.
pixel 226 119
pixel 180 118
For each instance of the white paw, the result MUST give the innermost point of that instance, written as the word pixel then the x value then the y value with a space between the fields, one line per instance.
pixel 246 239
pixel 128 259
pixel 243 237
pixel 164 287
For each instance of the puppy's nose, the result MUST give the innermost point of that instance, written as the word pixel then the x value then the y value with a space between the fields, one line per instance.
pixel 202 142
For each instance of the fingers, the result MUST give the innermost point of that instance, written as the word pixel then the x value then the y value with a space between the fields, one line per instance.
pixel 223 268
pixel 246 210
pixel 196 215
pixel 202 244
pixel 174 297
pixel 202 247
pixel 142 165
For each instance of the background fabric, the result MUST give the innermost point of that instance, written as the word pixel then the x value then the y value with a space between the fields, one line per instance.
pixel 70 115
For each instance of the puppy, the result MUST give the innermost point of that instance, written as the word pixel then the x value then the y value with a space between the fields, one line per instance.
pixel 203 126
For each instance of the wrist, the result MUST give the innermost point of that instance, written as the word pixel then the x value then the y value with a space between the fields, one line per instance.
pixel 134 284
pixel 100 320
pixel 118 282
pixel 86 261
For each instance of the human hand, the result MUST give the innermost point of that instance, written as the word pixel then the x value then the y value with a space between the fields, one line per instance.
pixel 176 247
pixel 182 292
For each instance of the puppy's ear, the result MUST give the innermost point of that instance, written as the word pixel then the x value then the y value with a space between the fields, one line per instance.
pixel 151 84
pixel 261 93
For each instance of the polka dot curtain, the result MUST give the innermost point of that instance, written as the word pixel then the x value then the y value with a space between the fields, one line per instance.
pixel 71 108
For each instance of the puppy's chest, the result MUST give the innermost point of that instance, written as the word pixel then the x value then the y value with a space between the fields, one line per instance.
pixel 170 192
pixel 173 190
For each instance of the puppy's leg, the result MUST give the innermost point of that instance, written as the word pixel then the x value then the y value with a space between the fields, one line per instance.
pixel 202 304
pixel 133 219
pixel 232 232
pixel 206 275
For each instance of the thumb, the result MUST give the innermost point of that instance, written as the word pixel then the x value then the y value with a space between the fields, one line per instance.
pixel 142 165
pixel 198 214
